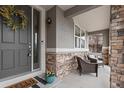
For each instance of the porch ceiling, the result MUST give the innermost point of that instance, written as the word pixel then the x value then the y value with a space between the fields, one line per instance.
pixel 95 19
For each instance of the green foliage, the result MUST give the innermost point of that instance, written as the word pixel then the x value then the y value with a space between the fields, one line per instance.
pixel 50 73
pixel 13 18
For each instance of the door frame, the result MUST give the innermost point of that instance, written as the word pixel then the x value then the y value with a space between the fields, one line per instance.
pixel 32 39
pixel 16 78
pixel 42 50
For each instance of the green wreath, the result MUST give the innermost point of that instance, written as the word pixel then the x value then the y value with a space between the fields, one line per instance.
pixel 13 18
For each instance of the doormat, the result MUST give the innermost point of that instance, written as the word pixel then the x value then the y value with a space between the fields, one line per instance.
pixel 24 84
pixel 41 80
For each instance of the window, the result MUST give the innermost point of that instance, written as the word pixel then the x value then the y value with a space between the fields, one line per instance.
pixel 36 35
pixel 96 42
pixel 79 37
pixel 82 39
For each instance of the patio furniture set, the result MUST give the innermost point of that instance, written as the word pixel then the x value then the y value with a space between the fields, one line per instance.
pixel 89 64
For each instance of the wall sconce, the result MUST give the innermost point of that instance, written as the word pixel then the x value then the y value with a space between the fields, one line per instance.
pixel 49 20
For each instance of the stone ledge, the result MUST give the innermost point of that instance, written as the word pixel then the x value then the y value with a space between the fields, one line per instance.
pixel 121 38
pixel 117 47
pixel 60 53
pixel 118 27
pixel 117 20
pixel 119 10
pixel 120 65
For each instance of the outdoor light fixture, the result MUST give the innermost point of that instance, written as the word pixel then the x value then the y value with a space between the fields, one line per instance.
pixel 49 20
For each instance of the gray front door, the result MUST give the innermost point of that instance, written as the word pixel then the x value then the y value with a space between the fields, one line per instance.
pixel 14 48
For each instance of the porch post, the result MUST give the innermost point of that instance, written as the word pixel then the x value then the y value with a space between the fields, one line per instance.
pixel 105 48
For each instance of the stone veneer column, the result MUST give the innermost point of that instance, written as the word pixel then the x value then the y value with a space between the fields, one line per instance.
pixel 62 63
pixel 117 46
pixel 105 54
pixel 105 48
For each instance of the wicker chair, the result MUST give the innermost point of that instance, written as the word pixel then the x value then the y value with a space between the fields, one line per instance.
pixel 86 67
pixel 98 60
pixel 92 60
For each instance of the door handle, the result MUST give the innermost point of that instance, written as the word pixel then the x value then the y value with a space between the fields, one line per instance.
pixel 30 50
pixel 30 53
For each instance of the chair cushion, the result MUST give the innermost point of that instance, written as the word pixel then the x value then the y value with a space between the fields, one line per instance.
pixel 99 61
pixel 92 56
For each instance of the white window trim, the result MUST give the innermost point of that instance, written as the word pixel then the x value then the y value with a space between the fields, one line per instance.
pixel 80 37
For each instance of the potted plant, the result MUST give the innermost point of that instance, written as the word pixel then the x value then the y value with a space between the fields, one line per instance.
pixel 50 77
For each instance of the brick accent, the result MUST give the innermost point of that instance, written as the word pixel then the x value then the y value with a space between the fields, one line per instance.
pixel 117 46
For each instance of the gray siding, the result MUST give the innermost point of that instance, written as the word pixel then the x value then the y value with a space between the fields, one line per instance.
pixel 51 28
pixel 79 9
pixel 106 38
pixel 64 30
pixel 60 33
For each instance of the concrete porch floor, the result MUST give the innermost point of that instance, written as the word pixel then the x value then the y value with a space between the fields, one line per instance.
pixel 74 80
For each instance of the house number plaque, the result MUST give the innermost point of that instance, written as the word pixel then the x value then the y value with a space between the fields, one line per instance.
pixel 121 32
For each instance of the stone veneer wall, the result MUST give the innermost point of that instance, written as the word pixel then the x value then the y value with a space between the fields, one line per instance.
pixel 62 63
pixel 117 46
pixel 105 54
